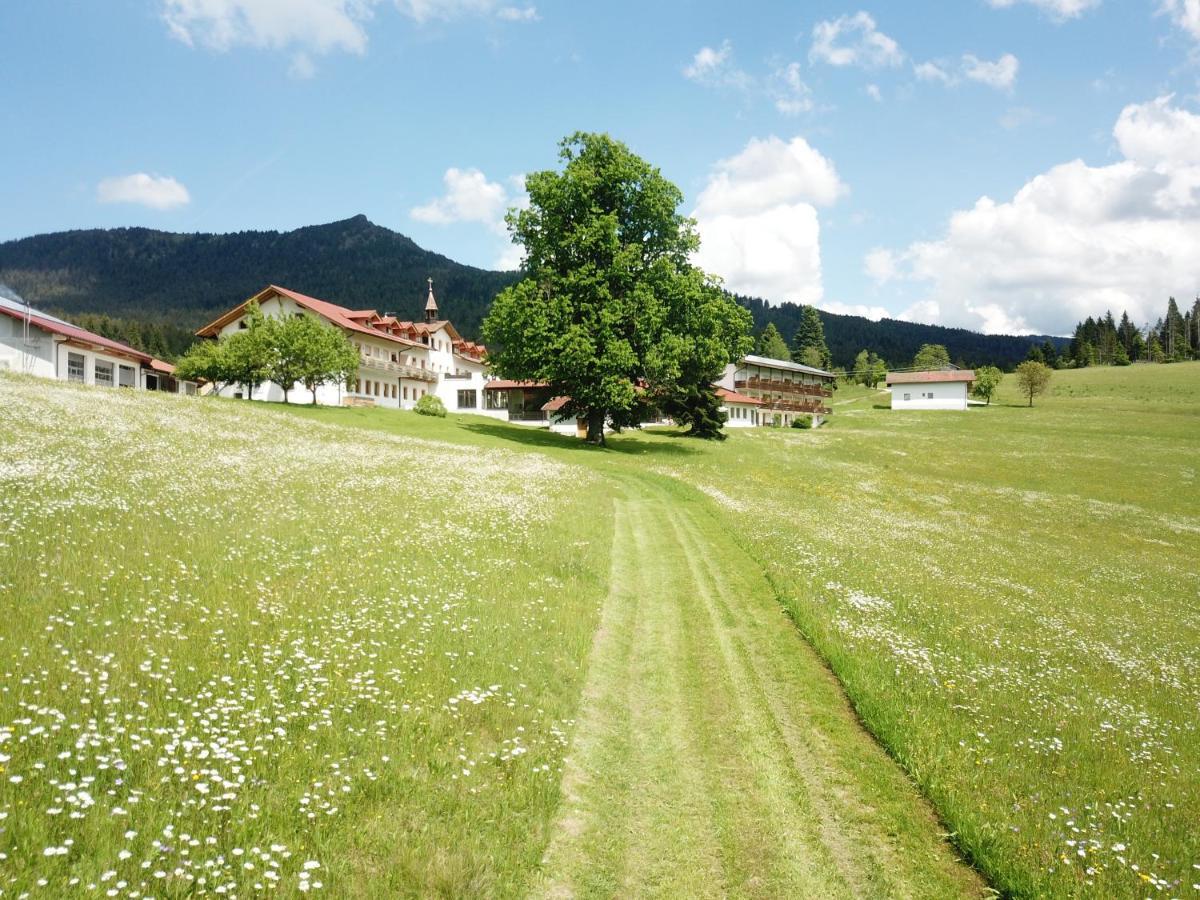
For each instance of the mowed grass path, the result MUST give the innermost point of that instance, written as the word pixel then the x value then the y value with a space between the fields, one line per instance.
pixel 715 755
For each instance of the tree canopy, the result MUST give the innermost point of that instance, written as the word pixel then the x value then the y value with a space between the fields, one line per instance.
pixel 933 356
pixel 1033 378
pixel 610 307
pixel 987 380
pixel 772 345
pixel 808 344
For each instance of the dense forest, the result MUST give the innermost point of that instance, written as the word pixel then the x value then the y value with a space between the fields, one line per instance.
pixel 152 289
pixel 141 278
pixel 1104 341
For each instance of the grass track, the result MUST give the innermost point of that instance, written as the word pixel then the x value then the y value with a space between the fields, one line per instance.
pixel 715 755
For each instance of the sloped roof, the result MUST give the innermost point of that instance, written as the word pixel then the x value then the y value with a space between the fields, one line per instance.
pixel 734 397
pixel 767 362
pixel 930 377
pixel 338 315
pixel 20 311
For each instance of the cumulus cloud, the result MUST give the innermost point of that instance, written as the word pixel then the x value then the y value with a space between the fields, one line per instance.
pixel 854 41
pixel 469 197
pixel 874 313
pixel 714 66
pixel 758 220
pixel 1000 74
pixel 1058 10
pixel 155 191
pixel 1074 241
pixel 309 26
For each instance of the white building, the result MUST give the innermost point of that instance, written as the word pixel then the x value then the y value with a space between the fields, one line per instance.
pixel 740 411
pixel 930 390
pixel 36 343
pixel 400 361
pixel 784 389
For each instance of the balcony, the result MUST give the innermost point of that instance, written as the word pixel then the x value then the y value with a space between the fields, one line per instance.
pixel 813 407
pixel 782 387
pixel 526 415
pixel 404 371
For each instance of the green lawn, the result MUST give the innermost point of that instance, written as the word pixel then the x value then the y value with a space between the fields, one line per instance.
pixel 461 657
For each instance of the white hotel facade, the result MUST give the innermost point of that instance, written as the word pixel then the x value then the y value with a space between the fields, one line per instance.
pixel 399 361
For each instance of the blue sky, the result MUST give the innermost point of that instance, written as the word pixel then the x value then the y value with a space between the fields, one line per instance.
pixel 833 153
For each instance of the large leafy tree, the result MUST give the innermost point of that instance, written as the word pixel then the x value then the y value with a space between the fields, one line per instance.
pixel 307 352
pixel 610 309
pixel 931 356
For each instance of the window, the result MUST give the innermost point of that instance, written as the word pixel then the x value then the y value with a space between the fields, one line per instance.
pixel 468 399
pixel 75 367
pixel 495 399
pixel 908 396
pixel 127 376
pixel 242 324
pixel 189 388
pixel 405 392
pixel 104 373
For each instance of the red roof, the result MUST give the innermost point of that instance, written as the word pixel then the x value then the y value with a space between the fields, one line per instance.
pixel 75 333
pixel 734 397
pixel 555 404
pixel 927 377
pixel 159 365
pixel 363 321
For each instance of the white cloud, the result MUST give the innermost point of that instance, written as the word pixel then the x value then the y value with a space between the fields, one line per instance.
pixel 854 41
pixel 791 95
pixel 1001 74
pixel 154 191
pixel 1058 10
pixel 714 66
pixel 310 26
pixel 317 25
pixel 874 313
pixel 1074 241
pixel 430 10
pixel 930 71
pixel 874 93
pixel 1185 14
pixel 758 221
pixel 469 197
pixel 880 265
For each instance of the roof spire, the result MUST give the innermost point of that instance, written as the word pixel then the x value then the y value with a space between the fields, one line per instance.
pixel 431 309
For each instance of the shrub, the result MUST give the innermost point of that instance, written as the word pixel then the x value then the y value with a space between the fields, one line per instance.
pixel 802 422
pixel 429 405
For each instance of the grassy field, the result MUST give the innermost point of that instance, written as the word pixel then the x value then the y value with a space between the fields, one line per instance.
pixel 392 617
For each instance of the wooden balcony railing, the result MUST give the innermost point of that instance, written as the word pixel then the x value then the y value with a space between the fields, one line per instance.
pixel 401 369
pixel 782 387
pixel 814 407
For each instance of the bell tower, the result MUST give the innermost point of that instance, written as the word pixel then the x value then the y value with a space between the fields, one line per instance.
pixel 431 309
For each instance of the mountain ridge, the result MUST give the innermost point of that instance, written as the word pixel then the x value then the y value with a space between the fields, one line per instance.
pixel 181 280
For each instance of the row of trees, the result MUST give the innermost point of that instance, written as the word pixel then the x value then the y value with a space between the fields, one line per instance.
pixel 1104 341
pixel 285 350
pixel 164 340
pixel 808 345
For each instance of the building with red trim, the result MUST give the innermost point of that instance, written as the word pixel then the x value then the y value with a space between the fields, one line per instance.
pixel 941 389
pixel 36 343
pixel 400 361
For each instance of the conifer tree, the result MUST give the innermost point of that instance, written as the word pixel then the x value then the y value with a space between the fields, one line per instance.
pixel 772 345
pixel 808 344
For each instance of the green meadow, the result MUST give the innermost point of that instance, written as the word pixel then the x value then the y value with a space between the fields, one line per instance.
pixel 354 652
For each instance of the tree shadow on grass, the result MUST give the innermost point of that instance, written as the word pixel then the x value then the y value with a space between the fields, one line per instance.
pixel 545 439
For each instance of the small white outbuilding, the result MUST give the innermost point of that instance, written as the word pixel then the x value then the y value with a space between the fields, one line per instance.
pixel 930 390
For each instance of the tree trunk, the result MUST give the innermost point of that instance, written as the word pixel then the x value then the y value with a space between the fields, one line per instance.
pixel 313 388
pixel 595 427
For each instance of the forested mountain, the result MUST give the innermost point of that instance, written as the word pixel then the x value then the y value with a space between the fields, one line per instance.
pixel 153 288
pixel 186 280
pixel 894 341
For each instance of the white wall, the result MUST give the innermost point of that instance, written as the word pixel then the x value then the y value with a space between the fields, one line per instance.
pixel 740 415
pixel 32 357
pixel 938 395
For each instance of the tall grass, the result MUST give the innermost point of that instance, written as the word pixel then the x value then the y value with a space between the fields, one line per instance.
pixel 244 652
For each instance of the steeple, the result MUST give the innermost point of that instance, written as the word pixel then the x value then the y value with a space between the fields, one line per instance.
pixel 431 310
